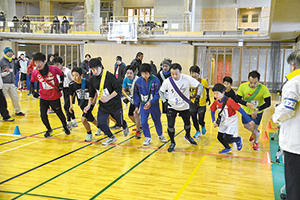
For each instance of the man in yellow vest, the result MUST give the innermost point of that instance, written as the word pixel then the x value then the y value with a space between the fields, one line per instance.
pixel 287 114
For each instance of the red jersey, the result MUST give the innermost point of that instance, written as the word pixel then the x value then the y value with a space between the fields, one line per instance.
pixel 230 108
pixel 47 92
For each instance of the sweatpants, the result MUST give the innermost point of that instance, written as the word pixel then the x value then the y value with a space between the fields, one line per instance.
pixel 102 120
pixel 292 175
pixel 3 108
pixel 154 110
pixel 66 93
pixel 9 89
pixel 171 116
pixel 56 107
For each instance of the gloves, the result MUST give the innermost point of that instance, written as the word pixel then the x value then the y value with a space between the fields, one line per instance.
pixel 60 87
pixel 208 100
pixel 35 94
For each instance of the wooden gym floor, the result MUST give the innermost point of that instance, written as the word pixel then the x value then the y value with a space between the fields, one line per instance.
pixel 65 167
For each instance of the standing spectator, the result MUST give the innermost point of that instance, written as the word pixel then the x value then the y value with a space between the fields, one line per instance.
pixel 85 66
pixel 65 25
pixel 7 64
pixel 255 98
pixel 137 62
pixel 2 19
pixel 288 115
pixel 50 91
pixel 3 108
pixel 50 59
pixel 153 68
pixel 23 72
pixel 16 22
pixel 55 25
pixel 27 23
pixel 119 69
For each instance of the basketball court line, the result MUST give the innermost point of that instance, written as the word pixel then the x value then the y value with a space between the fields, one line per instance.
pixel 57 158
pixel 36 195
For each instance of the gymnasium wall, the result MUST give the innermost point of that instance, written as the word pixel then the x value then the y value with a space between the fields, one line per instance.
pixel 183 54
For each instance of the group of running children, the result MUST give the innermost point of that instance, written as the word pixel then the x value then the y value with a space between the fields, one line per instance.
pixel 180 94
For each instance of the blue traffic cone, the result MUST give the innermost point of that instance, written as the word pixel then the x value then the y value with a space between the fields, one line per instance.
pixel 17 131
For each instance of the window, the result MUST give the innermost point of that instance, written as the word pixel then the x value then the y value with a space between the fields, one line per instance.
pixel 244 18
pixel 140 14
pixel 255 18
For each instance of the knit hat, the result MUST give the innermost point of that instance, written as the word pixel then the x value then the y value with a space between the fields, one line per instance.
pixel 7 49
pixel 165 62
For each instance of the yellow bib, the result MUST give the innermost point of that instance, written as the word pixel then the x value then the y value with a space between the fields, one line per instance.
pixel 102 84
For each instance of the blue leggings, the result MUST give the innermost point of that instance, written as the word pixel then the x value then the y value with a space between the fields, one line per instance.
pixel 154 110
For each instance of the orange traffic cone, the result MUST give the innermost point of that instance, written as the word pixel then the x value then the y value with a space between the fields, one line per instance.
pixel 265 136
pixel 266 159
pixel 269 125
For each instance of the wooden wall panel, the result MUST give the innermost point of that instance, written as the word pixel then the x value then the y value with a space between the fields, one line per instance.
pixel 218 19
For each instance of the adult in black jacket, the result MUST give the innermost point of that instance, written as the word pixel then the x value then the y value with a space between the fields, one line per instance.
pixel 16 22
pixel 109 99
pixel 163 74
pixel 84 65
pixel 119 69
pixel 55 25
pixel 137 62
pixel 65 25
pixel 2 19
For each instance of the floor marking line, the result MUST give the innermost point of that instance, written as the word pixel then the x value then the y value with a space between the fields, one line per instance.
pixel 117 179
pixel 193 173
pixel 57 158
pixel 37 195
pixel 70 169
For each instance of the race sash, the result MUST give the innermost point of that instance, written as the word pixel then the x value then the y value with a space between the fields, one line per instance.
pixel 47 81
pixel 102 84
pixel 254 93
pixel 178 91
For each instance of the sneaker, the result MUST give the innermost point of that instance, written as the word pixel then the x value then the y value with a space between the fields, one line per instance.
pixel 226 150
pixel 74 124
pixel 197 134
pixel 203 130
pixel 50 111
pixel 251 139
pixel 9 119
pixel 162 139
pixel 190 140
pixel 239 144
pixel 147 141
pixel 138 135
pixel 134 129
pixel 115 127
pixel 98 132
pixel 172 147
pixel 88 137
pixel 29 93
pixel 24 88
pixel 67 129
pixel 20 114
pixel 48 133
pixel 255 146
pixel 126 131
pixel 110 140
pixel 19 89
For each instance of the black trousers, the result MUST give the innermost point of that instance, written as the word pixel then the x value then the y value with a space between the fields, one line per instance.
pixel 226 139
pixel 3 106
pixel 292 175
pixel 56 107
pixel 66 93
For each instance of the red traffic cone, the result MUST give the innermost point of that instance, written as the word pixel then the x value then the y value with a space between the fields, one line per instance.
pixel 265 136
pixel 269 125
pixel 266 159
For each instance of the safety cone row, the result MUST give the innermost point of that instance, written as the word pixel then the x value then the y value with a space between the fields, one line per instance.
pixel 265 136
pixel 266 159
pixel 17 131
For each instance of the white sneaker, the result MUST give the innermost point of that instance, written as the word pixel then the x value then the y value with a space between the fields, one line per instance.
pixel 88 137
pixel 108 141
pixel 126 131
pixel 74 123
pixel 162 139
pixel 98 132
pixel 147 141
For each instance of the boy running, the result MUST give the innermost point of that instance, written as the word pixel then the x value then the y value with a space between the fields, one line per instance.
pixel 227 82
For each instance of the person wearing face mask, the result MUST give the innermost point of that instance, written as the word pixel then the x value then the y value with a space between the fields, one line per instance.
pixel 255 98
pixel 105 85
pixel 7 64
pixel 178 86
